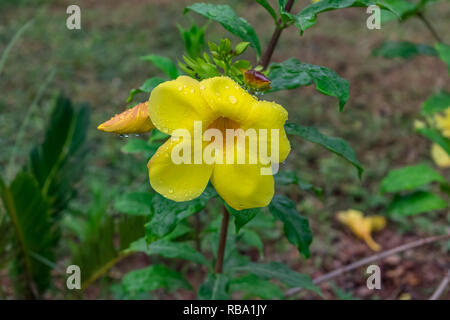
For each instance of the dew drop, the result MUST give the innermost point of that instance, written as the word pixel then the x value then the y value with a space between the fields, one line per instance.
pixel 180 88
pixel 202 87
pixel 170 191
pixel 232 99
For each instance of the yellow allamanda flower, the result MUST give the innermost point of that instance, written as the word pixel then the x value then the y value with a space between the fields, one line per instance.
pixel 219 103
pixel 362 226
pixel 440 156
pixel 443 123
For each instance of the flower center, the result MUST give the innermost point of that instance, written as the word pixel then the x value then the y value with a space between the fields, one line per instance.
pixel 223 124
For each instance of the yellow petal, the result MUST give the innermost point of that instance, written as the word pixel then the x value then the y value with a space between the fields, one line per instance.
pixel 371 243
pixel 227 98
pixel 270 115
pixel 178 182
pixel 440 156
pixel 134 120
pixel 377 223
pixel 243 186
pixel 362 226
pixel 177 104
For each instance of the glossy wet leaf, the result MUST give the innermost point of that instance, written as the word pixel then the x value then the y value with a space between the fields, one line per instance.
pixel 228 18
pixel 292 74
pixel 335 145
pixel 296 227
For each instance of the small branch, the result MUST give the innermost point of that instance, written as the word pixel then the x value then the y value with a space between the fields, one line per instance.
pixel 222 241
pixel 440 289
pixel 275 37
pixel 375 257
pixel 429 26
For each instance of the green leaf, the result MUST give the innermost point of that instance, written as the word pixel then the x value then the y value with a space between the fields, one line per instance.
pixel 57 164
pixel 147 87
pixel 34 235
pixel 410 178
pixel 437 102
pixel 167 213
pixel 256 287
pixel 226 16
pixel 164 64
pixel 169 249
pixel 242 217
pixel 292 74
pixel 215 287
pixel 136 203
pixel 194 39
pixel 252 239
pixel 414 203
pixel 307 17
pixel 444 53
pixel 296 227
pixel 158 136
pixel 280 271
pixel 335 145
pixel 406 50
pixel 290 177
pixel 436 136
pixel 152 278
pixel 268 8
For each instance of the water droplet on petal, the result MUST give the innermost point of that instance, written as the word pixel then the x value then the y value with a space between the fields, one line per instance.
pixel 232 99
pixel 170 191
pixel 180 88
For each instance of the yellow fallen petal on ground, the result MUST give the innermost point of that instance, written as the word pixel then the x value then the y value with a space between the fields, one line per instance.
pixel 440 157
pixel 134 120
pixel 362 226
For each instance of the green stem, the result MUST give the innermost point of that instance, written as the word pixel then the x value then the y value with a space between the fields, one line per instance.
pixel 429 26
pixel 275 37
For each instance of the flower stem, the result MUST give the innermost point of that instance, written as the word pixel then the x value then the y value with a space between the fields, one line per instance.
pixel 275 37
pixel 222 241
pixel 429 27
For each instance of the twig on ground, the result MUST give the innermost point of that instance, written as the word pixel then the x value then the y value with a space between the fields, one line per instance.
pixel 375 257
pixel 441 288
